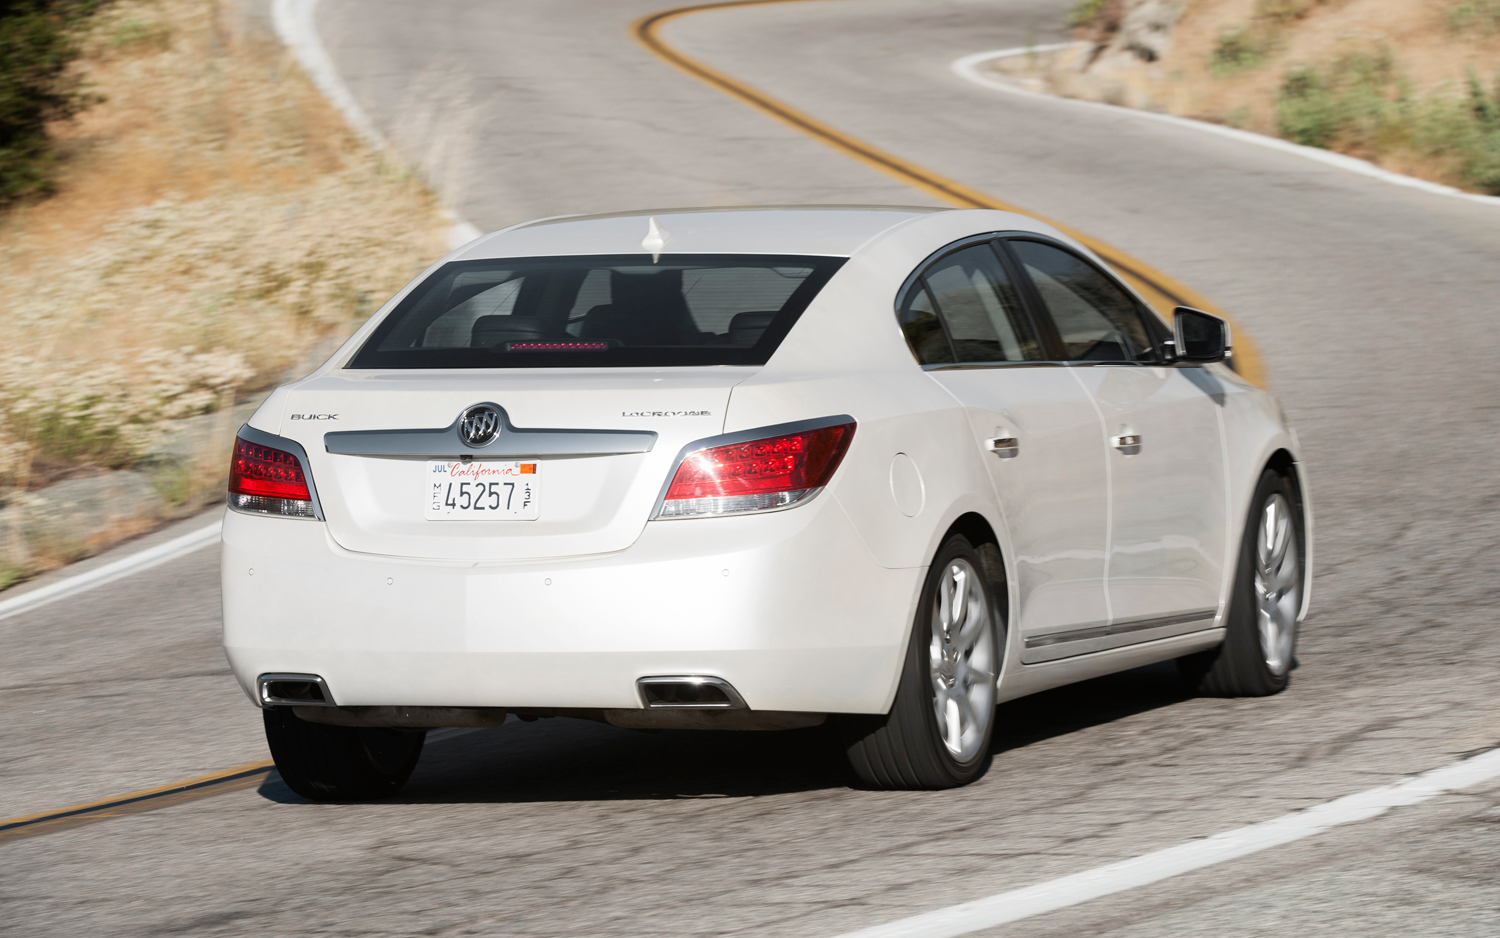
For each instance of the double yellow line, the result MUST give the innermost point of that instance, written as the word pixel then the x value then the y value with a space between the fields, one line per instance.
pixel 1162 291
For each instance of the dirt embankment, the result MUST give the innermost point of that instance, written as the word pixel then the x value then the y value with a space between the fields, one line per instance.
pixel 214 220
pixel 1412 85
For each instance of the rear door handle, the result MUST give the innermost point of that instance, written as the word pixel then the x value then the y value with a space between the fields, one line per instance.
pixel 1006 447
pixel 1127 443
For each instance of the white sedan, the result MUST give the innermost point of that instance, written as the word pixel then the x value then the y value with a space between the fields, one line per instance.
pixel 754 469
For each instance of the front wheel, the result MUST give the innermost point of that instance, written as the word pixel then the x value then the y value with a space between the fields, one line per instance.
pixel 340 763
pixel 1256 657
pixel 937 734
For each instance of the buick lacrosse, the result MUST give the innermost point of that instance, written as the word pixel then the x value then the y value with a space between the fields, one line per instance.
pixel 755 470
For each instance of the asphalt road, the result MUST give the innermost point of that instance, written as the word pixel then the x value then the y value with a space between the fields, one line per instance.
pixel 1373 305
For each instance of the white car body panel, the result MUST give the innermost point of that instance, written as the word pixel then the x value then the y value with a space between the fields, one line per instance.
pixel 594 505
pixel 804 609
pixel 1168 498
pixel 1054 494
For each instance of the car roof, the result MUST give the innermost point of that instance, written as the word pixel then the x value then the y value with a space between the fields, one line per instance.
pixel 833 230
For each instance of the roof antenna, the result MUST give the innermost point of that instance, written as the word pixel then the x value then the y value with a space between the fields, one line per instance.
pixel 656 239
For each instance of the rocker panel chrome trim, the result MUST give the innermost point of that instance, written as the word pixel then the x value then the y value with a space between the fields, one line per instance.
pixel 1119 628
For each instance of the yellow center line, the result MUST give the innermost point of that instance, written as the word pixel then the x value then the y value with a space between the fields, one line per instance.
pixel 135 802
pixel 1162 291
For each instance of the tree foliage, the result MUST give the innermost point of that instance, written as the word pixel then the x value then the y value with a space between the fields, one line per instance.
pixel 38 43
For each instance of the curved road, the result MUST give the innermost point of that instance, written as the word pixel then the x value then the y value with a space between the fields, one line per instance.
pixel 1373 305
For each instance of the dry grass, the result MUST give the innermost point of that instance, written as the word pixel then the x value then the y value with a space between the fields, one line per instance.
pixel 214 220
pixel 1232 62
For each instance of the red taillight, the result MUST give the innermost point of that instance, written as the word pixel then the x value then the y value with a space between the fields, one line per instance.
pixel 774 472
pixel 268 480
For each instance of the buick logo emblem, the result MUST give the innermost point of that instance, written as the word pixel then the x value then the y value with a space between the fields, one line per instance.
pixel 479 425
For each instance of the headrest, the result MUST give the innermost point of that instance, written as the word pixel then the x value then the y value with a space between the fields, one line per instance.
pixel 662 288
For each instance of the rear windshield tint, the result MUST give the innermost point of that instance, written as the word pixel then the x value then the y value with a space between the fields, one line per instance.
pixel 598 310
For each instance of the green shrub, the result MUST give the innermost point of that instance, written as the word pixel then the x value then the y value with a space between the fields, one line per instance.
pixel 1282 11
pixel 1359 103
pixel 1096 20
pixel 1085 12
pixel 38 41
pixel 1475 16
pixel 1238 50
pixel 1470 129
pixel 134 35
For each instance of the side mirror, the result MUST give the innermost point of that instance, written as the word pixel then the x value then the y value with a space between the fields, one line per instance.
pixel 1199 337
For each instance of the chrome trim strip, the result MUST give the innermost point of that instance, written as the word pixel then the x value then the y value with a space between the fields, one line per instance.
pixel 745 436
pixel 264 698
pixel 978 366
pixel 736 702
pixel 1119 628
pixel 445 443
pixel 261 437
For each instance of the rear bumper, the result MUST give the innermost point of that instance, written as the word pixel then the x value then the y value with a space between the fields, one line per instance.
pixel 789 608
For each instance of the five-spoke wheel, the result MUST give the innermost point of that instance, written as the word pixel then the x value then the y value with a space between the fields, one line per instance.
pixel 1260 639
pixel 961 658
pixel 937 734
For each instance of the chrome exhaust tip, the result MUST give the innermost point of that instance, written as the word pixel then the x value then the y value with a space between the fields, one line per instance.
pixel 293 690
pixel 689 692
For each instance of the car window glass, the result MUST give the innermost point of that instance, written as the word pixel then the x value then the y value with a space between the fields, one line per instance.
pixel 593 292
pixel 978 303
pixel 456 325
pixel 923 331
pixel 1096 319
pixel 709 309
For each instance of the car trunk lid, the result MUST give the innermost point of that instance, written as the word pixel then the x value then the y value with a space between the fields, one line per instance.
pixel 601 442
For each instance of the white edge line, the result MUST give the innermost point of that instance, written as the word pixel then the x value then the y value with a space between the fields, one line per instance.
pixel 967 68
pixel 297 28
pixel 108 573
pixel 1150 868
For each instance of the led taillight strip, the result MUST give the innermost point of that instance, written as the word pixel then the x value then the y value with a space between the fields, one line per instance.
pixel 270 479
pixel 775 467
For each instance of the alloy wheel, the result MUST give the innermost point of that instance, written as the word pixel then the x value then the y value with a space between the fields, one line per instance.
pixel 1278 583
pixel 962 660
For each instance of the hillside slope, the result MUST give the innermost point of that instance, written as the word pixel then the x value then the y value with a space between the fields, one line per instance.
pixel 1413 85
pixel 214 220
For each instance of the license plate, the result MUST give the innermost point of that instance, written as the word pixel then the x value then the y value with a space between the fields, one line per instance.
pixel 483 491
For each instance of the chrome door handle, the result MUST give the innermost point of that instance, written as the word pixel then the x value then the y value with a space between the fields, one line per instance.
pixel 1006 447
pixel 1127 443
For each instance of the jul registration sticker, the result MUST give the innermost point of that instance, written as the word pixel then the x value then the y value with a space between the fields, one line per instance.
pixel 483 491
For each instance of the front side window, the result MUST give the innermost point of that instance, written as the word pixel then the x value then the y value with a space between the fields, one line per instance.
pixel 1096 319
pixel 602 311
pixel 964 308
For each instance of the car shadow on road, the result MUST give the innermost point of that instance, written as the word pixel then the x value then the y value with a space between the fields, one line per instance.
pixel 561 759
pixel 1075 707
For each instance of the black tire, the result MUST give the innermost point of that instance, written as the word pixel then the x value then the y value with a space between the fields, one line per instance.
pixel 340 763
pixel 1241 666
pixel 905 748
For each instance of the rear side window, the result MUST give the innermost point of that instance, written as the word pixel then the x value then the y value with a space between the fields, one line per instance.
pixel 924 333
pixel 1096 319
pixel 965 308
pixel 603 311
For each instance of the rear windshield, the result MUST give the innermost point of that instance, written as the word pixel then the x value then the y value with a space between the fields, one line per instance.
pixel 597 310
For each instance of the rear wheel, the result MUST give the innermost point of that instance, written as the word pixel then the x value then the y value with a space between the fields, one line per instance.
pixel 937 734
pixel 1256 657
pixel 340 763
